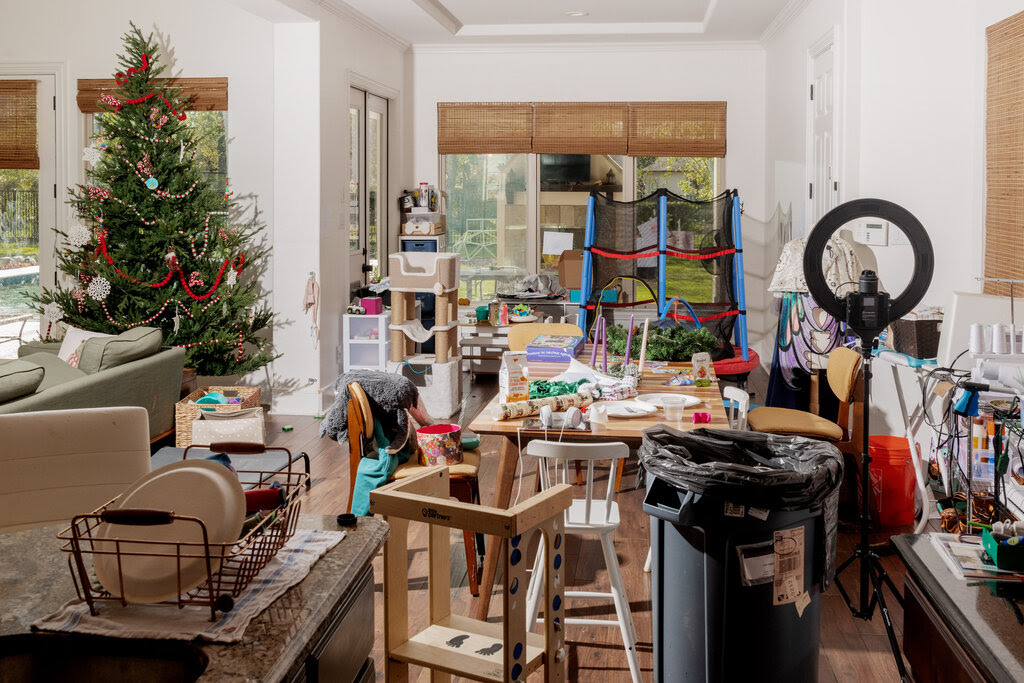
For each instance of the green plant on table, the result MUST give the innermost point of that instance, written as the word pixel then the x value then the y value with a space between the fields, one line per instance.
pixel 672 344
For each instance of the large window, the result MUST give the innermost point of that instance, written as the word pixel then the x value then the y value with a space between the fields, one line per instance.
pixel 510 215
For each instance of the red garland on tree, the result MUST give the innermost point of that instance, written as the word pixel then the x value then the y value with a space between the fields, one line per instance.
pixel 150 205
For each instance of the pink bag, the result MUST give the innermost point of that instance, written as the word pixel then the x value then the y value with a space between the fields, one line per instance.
pixel 440 444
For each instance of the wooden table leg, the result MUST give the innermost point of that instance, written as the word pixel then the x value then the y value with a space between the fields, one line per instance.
pixel 508 456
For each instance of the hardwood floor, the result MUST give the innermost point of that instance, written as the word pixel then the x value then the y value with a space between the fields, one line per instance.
pixel 851 649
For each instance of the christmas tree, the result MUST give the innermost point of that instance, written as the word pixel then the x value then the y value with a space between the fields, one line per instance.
pixel 159 244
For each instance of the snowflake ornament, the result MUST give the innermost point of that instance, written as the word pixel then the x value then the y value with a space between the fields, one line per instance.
pixel 232 278
pixel 53 312
pixel 99 288
pixel 91 155
pixel 79 235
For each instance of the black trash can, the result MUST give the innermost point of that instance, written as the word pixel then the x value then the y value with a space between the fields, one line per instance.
pixel 743 534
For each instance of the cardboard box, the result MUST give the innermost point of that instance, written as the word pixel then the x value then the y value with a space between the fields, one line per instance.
pixel 570 269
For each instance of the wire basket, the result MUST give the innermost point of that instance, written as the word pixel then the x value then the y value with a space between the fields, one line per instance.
pixel 230 567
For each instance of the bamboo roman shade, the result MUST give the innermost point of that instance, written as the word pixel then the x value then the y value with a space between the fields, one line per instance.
pixel 682 129
pixel 206 94
pixel 1004 134
pixel 18 124
pixel 694 129
pixel 580 127
pixel 484 127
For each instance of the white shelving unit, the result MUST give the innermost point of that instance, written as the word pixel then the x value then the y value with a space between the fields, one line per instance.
pixel 366 341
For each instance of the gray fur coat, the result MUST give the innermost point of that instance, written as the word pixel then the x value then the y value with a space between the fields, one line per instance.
pixel 390 396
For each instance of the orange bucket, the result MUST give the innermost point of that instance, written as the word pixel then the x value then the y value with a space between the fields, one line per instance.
pixel 892 480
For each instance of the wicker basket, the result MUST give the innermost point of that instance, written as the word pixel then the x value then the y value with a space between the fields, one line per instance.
pixel 917 338
pixel 185 412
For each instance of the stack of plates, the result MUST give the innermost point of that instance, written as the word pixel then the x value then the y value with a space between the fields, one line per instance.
pixel 656 400
pixel 194 488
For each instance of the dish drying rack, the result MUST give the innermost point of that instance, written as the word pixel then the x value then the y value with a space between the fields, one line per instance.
pixel 239 561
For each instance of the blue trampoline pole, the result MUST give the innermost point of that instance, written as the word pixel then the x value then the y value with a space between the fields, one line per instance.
pixel 737 269
pixel 586 281
pixel 662 248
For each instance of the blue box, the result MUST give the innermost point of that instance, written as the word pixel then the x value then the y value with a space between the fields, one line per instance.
pixel 554 347
pixel 609 296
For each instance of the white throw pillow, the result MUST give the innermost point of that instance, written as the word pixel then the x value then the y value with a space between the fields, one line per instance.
pixel 71 347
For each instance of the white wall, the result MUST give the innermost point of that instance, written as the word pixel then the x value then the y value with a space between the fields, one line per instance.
pixel 915 133
pixel 606 72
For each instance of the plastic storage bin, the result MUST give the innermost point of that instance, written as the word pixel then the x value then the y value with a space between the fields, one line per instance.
pixel 743 543
pixel 892 480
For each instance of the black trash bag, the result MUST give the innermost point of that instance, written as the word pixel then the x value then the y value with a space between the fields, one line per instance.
pixel 751 468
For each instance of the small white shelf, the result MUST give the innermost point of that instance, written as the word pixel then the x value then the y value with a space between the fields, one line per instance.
pixel 359 351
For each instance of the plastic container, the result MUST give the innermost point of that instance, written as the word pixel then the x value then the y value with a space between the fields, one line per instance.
pixel 672 407
pixel 892 480
pixel 440 444
pixel 741 523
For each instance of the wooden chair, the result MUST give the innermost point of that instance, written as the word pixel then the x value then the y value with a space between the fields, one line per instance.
pixel 843 371
pixel 61 463
pixel 465 484
pixel 456 645
pixel 521 334
pixel 586 516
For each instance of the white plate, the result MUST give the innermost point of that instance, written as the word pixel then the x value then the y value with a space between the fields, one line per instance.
pixel 522 318
pixel 626 410
pixel 194 488
pixel 655 400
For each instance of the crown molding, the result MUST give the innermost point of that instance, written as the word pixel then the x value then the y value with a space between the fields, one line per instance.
pixel 592 29
pixel 786 15
pixel 599 47
pixel 354 16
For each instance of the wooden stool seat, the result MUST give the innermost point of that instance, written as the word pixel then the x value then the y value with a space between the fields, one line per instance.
pixel 469 467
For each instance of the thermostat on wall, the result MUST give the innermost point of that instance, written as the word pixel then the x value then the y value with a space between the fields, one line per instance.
pixel 875 233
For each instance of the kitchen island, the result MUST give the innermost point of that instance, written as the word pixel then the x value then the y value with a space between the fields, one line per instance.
pixel 292 640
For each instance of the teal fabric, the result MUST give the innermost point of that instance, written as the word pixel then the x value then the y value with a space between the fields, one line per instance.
pixel 57 371
pixel 373 473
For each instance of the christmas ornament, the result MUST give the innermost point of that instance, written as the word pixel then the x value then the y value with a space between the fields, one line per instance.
pixel 152 183
pixel 171 258
pixel 102 144
pixel 99 288
pixel 79 235
pixel 53 312
pixel 91 155
pixel 177 320
pixel 232 278
pixel 195 279
pixel 144 165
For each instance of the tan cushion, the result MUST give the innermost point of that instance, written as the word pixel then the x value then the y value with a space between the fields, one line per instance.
pixel 469 467
pixel 18 378
pixel 843 369
pixel 104 353
pixel 793 422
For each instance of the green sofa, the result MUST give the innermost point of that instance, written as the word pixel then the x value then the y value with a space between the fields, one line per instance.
pixel 152 382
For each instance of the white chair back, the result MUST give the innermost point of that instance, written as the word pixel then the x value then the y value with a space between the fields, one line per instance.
pixel 739 404
pixel 554 465
pixel 61 463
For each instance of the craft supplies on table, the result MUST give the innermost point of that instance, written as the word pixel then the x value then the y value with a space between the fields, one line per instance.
pixel 517 409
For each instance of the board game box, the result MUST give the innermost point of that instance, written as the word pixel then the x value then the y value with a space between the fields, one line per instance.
pixel 554 347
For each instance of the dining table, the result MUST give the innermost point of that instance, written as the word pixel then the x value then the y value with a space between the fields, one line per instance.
pixel 629 431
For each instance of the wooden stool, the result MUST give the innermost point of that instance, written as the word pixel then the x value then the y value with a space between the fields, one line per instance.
pixel 457 645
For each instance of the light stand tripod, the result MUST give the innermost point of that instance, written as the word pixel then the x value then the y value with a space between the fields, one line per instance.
pixel 873 576
pixel 866 313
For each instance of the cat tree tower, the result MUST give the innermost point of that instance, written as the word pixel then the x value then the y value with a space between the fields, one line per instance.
pixel 412 273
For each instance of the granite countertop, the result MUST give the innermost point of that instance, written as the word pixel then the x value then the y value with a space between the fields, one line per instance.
pixel 35 581
pixel 983 623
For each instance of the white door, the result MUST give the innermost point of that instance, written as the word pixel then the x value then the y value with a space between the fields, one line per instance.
pixel 823 191
pixel 28 214
pixel 368 197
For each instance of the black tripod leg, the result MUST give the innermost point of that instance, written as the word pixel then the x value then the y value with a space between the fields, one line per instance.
pixel 888 580
pixel 876 579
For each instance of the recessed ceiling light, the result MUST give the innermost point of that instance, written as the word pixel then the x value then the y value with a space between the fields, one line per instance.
pixel 576 13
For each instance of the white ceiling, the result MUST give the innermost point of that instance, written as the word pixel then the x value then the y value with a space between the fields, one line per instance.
pixel 515 21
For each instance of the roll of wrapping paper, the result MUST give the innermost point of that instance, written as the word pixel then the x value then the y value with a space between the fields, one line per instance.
pixel 517 409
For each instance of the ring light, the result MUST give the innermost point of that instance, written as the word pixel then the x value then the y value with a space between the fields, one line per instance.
pixel 841 308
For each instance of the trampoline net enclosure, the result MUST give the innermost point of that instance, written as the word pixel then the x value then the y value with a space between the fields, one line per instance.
pixel 699 256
